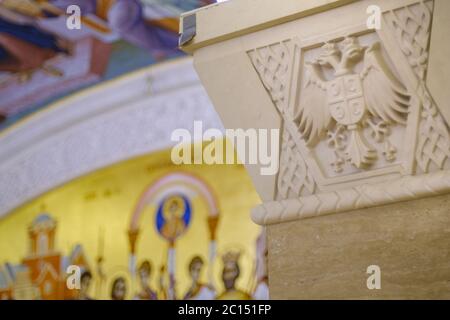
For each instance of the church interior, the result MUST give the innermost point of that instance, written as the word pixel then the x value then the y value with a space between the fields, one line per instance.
pixel 94 187
pixel 108 107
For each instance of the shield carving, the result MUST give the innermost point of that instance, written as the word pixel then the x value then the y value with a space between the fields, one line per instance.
pixel 345 99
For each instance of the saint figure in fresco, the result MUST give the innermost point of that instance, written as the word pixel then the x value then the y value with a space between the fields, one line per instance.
pixel 173 213
pixel 119 289
pixel 161 283
pixel 25 47
pixel 85 283
pixel 230 274
pixel 262 288
pixel 126 18
pixel 144 272
pixel 197 290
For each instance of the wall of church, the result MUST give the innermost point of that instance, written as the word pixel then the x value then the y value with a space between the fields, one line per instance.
pixel 97 208
pixel 327 257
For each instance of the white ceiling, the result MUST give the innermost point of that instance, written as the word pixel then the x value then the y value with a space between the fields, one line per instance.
pixel 108 123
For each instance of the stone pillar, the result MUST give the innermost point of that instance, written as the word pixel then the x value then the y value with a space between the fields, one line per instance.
pixel 360 91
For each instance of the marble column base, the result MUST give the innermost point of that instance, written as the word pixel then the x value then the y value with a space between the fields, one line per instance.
pixel 327 257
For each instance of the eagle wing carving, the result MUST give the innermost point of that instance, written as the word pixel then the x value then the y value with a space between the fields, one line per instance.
pixel 385 96
pixel 313 116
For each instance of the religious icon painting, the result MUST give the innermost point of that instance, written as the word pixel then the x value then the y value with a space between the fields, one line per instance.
pixel 173 216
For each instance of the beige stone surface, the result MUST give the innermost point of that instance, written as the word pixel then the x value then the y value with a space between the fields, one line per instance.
pixel 254 110
pixel 438 78
pixel 226 20
pixel 327 257
pixel 364 119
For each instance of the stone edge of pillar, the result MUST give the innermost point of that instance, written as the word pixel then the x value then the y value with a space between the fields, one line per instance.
pixel 230 19
pixel 359 197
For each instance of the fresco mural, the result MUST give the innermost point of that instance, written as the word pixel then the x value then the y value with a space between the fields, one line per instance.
pixel 144 229
pixel 41 60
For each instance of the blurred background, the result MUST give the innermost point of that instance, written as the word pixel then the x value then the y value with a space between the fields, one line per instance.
pixel 86 178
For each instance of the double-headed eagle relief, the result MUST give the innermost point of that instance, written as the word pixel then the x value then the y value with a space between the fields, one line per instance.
pixel 354 104
pixel 350 100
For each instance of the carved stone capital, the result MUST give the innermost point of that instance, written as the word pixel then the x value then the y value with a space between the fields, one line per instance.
pixel 353 103
pixel 363 111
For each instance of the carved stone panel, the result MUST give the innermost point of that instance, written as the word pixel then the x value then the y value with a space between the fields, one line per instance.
pixel 352 113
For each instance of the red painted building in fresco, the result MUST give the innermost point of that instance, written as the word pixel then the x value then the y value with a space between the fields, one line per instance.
pixel 43 272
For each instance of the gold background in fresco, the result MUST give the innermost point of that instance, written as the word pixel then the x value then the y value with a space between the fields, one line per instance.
pixel 106 198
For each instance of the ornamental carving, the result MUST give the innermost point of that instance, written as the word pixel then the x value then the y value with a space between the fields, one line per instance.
pixel 355 112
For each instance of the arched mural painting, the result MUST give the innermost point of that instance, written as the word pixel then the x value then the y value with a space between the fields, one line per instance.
pixel 179 237
pixel 172 194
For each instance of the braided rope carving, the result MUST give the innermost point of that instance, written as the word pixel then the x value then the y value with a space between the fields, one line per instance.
pixel 368 195
pixel 294 178
pixel 273 64
pixel 411 26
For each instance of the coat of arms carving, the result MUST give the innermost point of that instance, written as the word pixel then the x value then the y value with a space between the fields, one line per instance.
pixel 350 100
pixel 354 103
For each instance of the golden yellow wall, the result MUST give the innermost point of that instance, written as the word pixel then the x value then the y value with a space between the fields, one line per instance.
pixel 105 199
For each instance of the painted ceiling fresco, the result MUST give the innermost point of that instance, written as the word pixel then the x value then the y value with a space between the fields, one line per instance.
pixel 141 229
pixel 42 60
